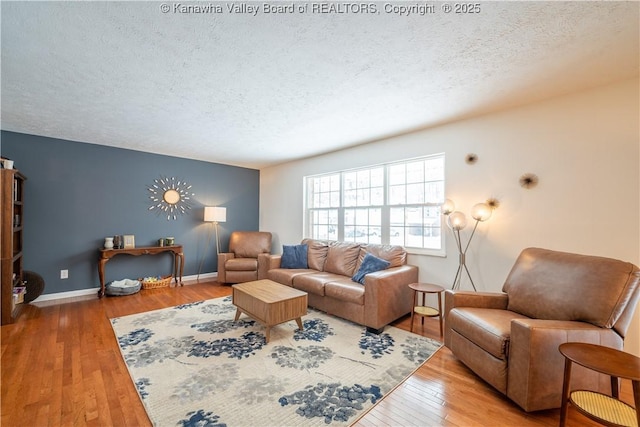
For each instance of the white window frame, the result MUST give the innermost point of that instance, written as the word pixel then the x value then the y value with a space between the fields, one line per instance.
pixel 347 206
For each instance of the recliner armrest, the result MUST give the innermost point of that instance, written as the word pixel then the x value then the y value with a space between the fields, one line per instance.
pixel 222 259
pixel 536 366
pixel 454 299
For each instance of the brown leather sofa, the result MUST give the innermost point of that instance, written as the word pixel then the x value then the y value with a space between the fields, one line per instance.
pixel 247 258
pixel 383 298
pixel 511 339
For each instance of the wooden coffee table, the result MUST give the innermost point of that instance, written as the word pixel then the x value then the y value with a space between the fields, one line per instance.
pixel 269 303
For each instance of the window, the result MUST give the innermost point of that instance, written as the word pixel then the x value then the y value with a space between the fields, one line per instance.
pixel 396 203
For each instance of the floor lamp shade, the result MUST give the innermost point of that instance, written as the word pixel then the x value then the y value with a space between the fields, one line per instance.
pixel 215 214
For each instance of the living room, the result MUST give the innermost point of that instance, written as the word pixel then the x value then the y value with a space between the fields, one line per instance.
pixel 582 144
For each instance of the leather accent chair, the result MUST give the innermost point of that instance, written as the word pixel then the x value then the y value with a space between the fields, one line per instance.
pixel 511 339
pixel 247 259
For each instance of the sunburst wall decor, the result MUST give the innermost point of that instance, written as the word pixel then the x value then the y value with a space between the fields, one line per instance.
pixel 170 197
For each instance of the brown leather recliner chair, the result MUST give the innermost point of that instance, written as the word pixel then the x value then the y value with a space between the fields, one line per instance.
pixel 247 258
pixel 511 339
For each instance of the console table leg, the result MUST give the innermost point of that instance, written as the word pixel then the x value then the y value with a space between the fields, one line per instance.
pixel 181 267
pixel 101 274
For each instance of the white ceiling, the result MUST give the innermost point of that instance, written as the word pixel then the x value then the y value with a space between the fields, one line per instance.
pixel 255 91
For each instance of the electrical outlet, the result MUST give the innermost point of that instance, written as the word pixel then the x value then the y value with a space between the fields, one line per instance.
pixel 64 274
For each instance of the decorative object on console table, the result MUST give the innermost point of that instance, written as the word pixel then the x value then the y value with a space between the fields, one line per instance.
pixel 12 198
pixel 457 221
pixel 129 241
pixel 108 242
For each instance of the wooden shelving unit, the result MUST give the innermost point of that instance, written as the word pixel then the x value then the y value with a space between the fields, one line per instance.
pixel 11 227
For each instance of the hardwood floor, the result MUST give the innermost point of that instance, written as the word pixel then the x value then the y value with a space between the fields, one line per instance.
pixel 61 366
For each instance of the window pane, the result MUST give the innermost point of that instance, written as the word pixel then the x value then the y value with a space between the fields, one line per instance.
pixel 350 180
pixel 363 197
pixel 377 196
pixel 397 174
pixel 397 195
pixel 350 197
pixel 435 192
pixel 377 177
pixel 415 193
pixel 415 172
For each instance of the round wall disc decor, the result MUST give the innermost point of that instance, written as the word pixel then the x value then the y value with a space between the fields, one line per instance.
pixel 170 197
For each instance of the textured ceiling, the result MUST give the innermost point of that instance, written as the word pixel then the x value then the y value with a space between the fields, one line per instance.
pixel 259 90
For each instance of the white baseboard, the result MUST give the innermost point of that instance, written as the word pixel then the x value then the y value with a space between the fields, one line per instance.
pixel 187 280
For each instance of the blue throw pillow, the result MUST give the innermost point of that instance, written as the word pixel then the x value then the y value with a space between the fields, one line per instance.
pixel 294 256
pixel 369 264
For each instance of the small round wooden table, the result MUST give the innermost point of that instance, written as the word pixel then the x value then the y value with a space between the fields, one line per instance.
pixel 607 410
pixel 423 310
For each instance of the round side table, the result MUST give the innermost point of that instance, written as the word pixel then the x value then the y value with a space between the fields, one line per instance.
pixel 423 310
pixel 607 410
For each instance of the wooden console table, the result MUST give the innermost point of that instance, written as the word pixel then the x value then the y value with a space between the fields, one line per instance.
pixel 107 254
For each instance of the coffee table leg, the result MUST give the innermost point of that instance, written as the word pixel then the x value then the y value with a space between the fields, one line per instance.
pixel 267 334
pixel 237 315
pixel 299 322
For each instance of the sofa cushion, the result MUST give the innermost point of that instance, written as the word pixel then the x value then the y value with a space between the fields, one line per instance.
pixel 543 285
pixel 342 258
pixel 294 256
pixel 488 328
pixel 370 264
pixel 396 255
pixel 241 264
pixel 314 283
pixel 316 253
pixel 345 290
pixel 285 276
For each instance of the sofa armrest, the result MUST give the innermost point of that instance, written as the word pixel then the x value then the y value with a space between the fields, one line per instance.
pixel 387 295
pixel 536 366
pixel 222 259
pixel 263 265
pixel 274 262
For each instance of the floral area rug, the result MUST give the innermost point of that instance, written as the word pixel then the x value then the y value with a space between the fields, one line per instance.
pixel 194 366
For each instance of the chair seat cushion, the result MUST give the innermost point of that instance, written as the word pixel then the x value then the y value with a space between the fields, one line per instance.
pixel 286 275
pixel 345 290
pixel 314 283
pixel 241 264
pixel 489 329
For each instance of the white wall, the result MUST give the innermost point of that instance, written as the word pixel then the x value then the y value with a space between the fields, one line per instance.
pixel 585 148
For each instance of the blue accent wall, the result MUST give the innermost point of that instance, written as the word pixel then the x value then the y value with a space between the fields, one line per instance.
pixel 76 194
